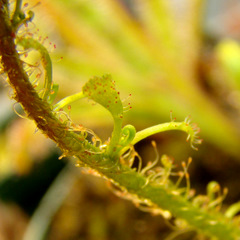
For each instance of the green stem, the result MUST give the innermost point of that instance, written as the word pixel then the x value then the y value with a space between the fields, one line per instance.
pixel 67 100
pixel 211 223
pixel 182 126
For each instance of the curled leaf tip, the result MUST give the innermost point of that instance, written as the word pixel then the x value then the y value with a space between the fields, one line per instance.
pixel 193 130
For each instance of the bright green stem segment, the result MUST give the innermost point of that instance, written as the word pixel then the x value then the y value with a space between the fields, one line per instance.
pixel 68 100
pixel 182 126
pixel 211 223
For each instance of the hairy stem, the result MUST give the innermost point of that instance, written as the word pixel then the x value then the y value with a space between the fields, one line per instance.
pixel 36 109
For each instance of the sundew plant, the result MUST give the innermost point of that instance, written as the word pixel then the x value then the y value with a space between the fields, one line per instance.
pixel 152 186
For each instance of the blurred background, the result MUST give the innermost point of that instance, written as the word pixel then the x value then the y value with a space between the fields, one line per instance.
pixel 180 55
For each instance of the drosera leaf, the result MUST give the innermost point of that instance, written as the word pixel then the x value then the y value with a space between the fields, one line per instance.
pixel 30 43
pixel 128 134
pixel 102 90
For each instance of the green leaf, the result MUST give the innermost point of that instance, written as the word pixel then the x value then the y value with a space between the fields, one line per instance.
pixel 102 90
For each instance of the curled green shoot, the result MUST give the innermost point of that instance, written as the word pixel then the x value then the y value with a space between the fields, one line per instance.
pixel 191 129
pixel 30 43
